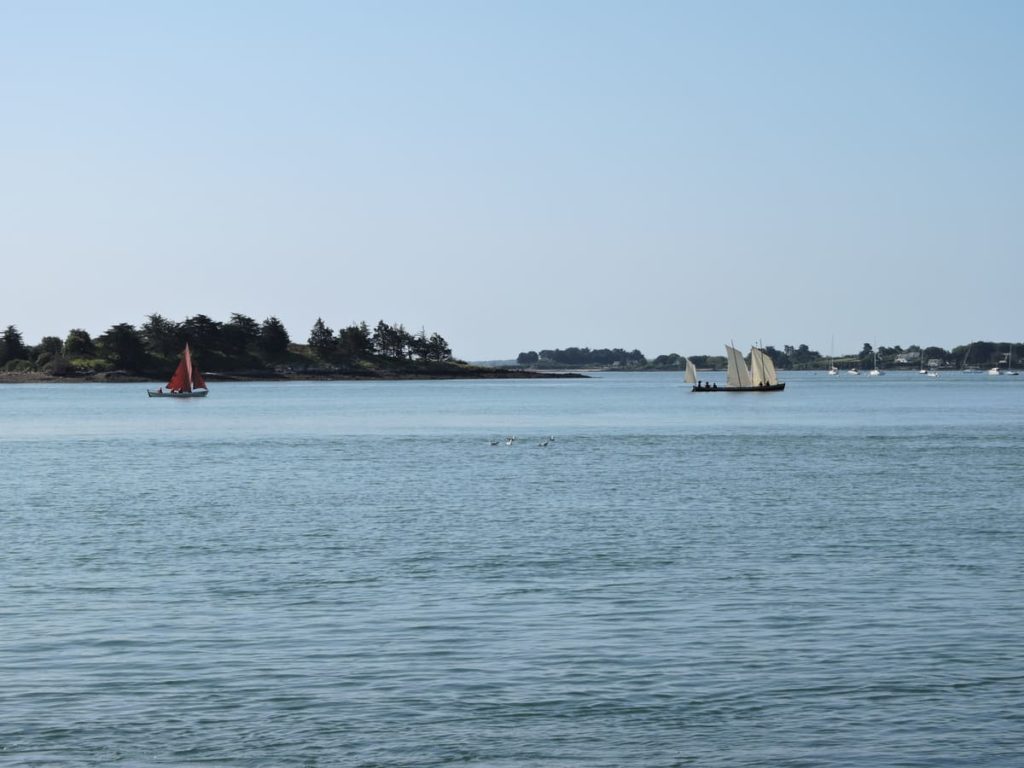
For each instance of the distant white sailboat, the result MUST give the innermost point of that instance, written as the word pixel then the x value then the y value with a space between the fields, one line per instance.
pixel 963 366
pixel 832 370
pixel 876 371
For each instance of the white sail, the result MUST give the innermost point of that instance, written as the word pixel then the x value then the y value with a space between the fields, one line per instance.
pixel 762 369
pixel 756 367
pixel 737 374
pixel 770 376
pixel 690 377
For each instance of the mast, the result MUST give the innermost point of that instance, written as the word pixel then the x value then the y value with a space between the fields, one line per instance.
pixel 188 368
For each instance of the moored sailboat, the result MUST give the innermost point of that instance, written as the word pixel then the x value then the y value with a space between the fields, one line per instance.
pixel 876 371
pixel 187 381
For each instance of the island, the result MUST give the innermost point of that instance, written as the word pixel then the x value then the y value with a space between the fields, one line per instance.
pixel 241 349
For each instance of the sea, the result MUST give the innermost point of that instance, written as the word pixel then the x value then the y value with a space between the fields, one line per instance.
pixel 373 574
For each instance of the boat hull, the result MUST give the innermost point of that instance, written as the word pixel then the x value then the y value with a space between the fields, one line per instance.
pixel 196 393
pixel 766 388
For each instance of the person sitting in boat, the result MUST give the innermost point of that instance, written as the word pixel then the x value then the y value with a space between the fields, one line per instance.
pixel 715 385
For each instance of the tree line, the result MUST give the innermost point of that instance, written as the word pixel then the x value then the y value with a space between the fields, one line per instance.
pixel 582 356
pixel 980 354
pixel 239 344
pixel 975 354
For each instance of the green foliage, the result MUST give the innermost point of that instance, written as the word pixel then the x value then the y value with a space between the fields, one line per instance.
pixel 162 337
pixel 322 341
pixel 123 346
pixel 238 345
pixel 355 341
pixel 391 340
pixel 668 362
pixel 273 340
pixel 50 346
pixel 90 364
pixel 580 357
pixel 795 357
pixel 11 346
pixel 19 366
pixel 79 344
pixel 240 335
pixel 708 362
pixel 438 349
pixel 202 333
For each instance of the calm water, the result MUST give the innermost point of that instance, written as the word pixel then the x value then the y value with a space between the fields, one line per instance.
pixel 350 574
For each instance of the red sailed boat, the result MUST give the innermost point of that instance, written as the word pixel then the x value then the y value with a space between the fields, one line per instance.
pixel 186 381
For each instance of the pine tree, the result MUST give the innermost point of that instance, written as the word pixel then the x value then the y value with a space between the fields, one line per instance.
pixel 321 340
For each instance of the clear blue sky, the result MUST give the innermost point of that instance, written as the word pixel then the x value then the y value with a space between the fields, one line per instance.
pixel 519 176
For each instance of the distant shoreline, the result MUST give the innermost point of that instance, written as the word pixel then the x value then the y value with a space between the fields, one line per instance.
pixel 124 377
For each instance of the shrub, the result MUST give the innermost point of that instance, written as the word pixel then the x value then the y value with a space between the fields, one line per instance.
pixel 19 366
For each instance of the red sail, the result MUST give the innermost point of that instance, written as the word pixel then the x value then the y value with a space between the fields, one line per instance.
pixel 186 378
pixel 179 381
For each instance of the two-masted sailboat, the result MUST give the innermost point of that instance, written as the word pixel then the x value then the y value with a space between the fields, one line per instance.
pixel 760 377
pixel 187 381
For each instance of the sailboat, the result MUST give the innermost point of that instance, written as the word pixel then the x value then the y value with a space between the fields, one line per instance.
pixel 963 367
pixel 1009 362
pixel 690 377
pixel 875 371
pixel 761 377
pixel 186 381
pixel 832 370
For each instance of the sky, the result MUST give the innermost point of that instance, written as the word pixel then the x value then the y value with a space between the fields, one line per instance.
pixel 665 176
